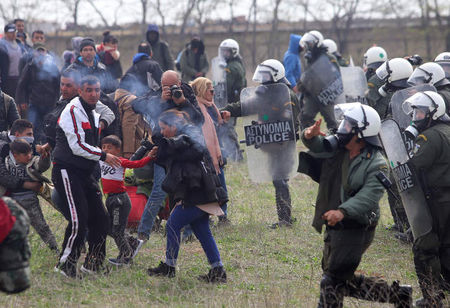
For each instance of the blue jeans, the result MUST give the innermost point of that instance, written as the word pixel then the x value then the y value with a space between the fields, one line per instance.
pixel 154 202
pixel 224 185
pixel 36 116
pixel 199 221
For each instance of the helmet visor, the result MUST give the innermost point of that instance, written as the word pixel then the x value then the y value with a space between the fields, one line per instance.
pixel 446 67
pixel 347 125
pixel 419 76
pixel 262 74
pixel 417 101
pixel 225 53
pixel 383 71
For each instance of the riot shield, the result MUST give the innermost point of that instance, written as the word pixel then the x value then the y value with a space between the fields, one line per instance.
pixel 411 193
pixel 399 97
pixel 219 79
pixel 269 132
pixel 355 84
pixel 323 81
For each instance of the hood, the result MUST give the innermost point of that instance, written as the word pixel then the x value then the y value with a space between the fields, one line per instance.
pixel 76 42
pixel 139 56
pixel 197 43
pixel 294 41
pixel 152 28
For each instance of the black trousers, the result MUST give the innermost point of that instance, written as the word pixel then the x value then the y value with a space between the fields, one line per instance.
pixel 83 208
pixel 119 206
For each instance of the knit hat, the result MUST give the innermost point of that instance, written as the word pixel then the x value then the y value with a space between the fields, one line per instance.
pixel 10 28
pixel 88 41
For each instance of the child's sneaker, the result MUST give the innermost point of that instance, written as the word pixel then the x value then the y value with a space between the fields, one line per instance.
pixel 162 270
pixel 67 270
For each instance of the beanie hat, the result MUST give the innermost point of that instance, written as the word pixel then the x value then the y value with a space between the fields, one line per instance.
pixel 87 42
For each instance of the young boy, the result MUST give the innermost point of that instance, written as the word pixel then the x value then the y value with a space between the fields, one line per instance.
pixel 117 202
pixel 22 164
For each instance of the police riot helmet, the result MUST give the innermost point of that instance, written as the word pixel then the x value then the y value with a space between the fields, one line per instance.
pixel 427 105
pixel 269 71
pixel 443 59
pixel 394 73
pixel 374 57
pixel 229 49
pixel 330 45
pixel 360 120
pixel 431 73
pixel 311 39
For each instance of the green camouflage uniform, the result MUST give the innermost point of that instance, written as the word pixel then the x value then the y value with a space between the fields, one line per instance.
pixel 15 252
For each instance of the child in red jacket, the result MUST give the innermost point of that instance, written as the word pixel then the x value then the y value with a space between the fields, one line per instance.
pixel 117 202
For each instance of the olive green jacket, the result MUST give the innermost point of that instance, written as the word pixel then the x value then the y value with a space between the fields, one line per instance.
pixel 356 194
pixel 375 100
pixel 187 65
pixel 235 79
pixel 444 91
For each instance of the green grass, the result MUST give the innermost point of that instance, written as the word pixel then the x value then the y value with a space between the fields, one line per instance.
pixel 266 268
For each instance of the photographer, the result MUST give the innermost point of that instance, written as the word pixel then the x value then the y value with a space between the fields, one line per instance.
pixel 178 96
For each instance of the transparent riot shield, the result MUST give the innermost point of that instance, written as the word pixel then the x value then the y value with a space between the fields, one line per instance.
pixel 269 132
pixel 411 192
pixel 355 84
pixel 399 97
pixel 219 79
pixel 323 81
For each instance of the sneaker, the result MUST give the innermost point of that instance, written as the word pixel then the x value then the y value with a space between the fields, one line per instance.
pixel 425 303
pixel 280 224
pixel 120 261
pixel 402 295
pixel 68 271
pixel 143 237
pixel 162 270
pixel 136 246
pixel 223 221
pixel 215 275
pixel 94 270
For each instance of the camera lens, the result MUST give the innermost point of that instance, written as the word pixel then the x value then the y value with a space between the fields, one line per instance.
pixel 177 94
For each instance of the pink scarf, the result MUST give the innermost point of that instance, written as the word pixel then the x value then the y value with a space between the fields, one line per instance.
pixel 209 132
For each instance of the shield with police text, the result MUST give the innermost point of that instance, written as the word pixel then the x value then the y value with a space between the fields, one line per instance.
pixel 323 81
pixel 269 132
pixel 355 84
pixel 219 79
pixel 406 179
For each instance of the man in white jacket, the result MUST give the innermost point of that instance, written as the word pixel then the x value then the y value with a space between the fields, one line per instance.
pixel 75 156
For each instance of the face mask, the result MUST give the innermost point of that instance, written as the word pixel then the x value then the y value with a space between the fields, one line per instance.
pixel 28 139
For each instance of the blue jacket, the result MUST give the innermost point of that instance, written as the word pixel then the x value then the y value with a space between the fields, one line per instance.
pixel 291 60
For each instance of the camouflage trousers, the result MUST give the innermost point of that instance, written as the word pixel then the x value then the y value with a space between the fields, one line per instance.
pixel 15 252
pixel 30 204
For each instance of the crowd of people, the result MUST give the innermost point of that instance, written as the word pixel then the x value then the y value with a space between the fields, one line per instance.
pixel 91 121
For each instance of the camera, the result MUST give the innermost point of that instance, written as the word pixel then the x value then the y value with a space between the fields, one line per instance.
pixel 415 60
pixel 176 91
pixel 146 145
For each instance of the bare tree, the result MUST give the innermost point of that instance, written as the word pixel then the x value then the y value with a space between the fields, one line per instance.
pixel 185 15
pixel 159 9
pixel 202 9
pixel 73 7
pixel 99 12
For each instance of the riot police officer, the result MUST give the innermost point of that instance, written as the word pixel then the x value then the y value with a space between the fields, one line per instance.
pixel 373 58
pixel 346 166
pixel 267 73
pixel 333 51
pixel 432 162
pixel 312 44
pixel 443 59
pixel 432 73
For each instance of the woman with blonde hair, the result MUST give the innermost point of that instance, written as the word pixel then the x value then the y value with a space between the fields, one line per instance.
pixel 204 92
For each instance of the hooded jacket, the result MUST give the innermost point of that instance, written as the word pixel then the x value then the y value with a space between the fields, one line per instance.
pixel 98 70
pixel 147 72
pixel 160 49
pixel 291 60
pixel 192 63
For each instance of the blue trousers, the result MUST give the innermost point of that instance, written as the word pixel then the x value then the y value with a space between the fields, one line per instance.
pixel 199 221
pixel 154 202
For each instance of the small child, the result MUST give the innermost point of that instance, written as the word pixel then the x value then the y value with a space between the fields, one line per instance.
pixel 117 202
pixel 22 164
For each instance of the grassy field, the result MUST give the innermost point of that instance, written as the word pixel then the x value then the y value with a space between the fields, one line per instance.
pixel 266 268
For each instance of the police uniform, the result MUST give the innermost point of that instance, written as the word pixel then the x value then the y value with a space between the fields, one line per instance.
pixel 352 187
pixel 374 98
pixel 15 251
pixel 432 252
